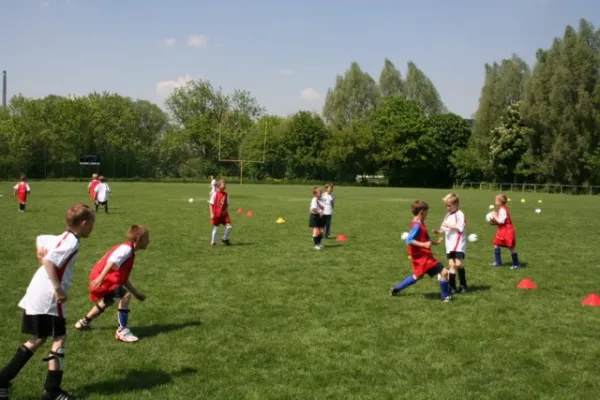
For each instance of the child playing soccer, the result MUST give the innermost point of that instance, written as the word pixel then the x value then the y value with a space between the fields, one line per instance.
pixel 44 303
pixel 505 234
pixel 101 194
pixel 109 281
pixel 92 187
pixel 22 190
pixel 316 220
pixel 219 214
pixel 454 227
pixel 419 249
pixel 328 200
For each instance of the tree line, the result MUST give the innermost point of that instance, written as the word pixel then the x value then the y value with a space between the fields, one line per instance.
pixel 533 124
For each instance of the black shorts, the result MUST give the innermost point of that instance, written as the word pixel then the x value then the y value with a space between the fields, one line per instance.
pixel 43 325
pixel 316 221
pixel 455 255
pixel 116 294
pixel 103 203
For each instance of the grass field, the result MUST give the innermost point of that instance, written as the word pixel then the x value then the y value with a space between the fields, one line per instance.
pixel 271 318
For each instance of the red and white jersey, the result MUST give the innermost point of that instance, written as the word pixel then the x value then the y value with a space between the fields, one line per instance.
pixel 22 188
pixel 219 202
pixel 102 190
pixel 455 229
pixel 213 186
pixel 123 258
pixel 62 252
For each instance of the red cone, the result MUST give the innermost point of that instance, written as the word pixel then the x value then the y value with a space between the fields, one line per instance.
pixel 240 210
pixel 250 214
pixel 592 300
pixel 341 238
pixel 526 283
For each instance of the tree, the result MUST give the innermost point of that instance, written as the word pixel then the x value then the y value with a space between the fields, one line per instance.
pixel 420 88
pixel 449 132
pixel 390 80
pixel 305 137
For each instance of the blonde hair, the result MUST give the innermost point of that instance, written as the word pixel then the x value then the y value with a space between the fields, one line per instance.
pixel 502 198
pixel 316 189
pixel 451 198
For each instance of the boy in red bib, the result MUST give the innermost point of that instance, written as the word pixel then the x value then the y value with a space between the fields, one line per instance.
pixel 219 214
pixel 505 234
pixel 109 281
pixel 22 190
pixel 92 187
pixel 419 248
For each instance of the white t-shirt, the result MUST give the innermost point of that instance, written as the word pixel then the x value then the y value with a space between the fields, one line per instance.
pixel 315 205
pixel 455 228
pixel 62 252
pixel 120 255
pixel 327 201
pixel 26 185
pixel 102 191
pixel 213 196
pixel 501 217
pixel 213 186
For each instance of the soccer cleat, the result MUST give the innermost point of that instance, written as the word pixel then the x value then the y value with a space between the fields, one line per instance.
pixel 125 335
pixel 226 242
pixel 317 247
pixel 82 324
pixel 461 290
pixel 495 265
pixel 447 299
pixel 515 267
pixel 321 245
pixel 394 292
pixel 213 244
pixel 60 395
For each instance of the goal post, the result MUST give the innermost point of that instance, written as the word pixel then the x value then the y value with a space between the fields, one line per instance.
pixel 240 160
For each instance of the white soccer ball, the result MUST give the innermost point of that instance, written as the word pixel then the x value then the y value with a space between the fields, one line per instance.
pixel 491 207
pixel 404 235
pixel 191 200
pixel 489 216
pixel 537 211
pixel 473 237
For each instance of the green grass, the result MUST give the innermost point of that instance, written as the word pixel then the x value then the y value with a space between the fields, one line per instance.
pixel 271 318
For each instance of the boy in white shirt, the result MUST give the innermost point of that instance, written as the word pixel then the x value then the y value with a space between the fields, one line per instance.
pixel 315 220
pixel 455 228
pixel 102 190
pixel 328 199
pixel 44 303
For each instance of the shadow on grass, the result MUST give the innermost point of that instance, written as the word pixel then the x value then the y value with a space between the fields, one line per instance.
pixel 236 244
pixel 144 332
pixel 132 381
pixel 471 289
pixel 332 246
pixel 509 264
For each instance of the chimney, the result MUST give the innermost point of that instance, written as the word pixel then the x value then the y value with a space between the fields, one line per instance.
pixel 3 88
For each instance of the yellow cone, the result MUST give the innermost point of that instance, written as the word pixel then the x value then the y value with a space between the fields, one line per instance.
pixel 280 220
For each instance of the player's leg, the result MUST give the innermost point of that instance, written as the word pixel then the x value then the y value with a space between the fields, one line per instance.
pixel 56 362
pixel 452 272
pixel 97 310
pixel 459 264
pixel 327 226
pixel 497 256
pixel 515 258
pixel 215 234
pixel 442 274
pixel 227 233
pixel 123 333
pixel 106 207
pixel 16 364
pixel 408 281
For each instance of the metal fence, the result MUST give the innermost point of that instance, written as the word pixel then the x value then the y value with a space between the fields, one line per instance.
pixel 531 187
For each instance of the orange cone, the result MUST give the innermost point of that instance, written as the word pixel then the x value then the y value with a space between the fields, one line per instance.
pixel 341 238
pixel 592 300
pixel 526 283
pixel 250 214
pixel 240 210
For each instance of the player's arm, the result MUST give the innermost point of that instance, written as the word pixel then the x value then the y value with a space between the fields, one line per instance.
pixel 500 217
pixel 98 281
pixel 28 189
pixel 138 295
pixel 211 203
pixel 412 241
pixel 50 268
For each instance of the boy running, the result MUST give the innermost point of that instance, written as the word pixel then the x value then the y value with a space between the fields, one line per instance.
pixel 109 281
pixel 22 190
pixel 419 248
pixel 44 303
pixel 219 214
pixel 454 226
pixel 92 187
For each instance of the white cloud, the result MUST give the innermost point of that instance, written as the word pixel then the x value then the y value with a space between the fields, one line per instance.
pixel 285 71
pixel 309 94
pixel 164 88
pixel 44 4
pixel 197 40
pixel 169 42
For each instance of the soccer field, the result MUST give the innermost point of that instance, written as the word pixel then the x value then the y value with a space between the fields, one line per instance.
pixel 271 318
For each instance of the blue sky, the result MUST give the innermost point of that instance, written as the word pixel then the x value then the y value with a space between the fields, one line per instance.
pixel 286 53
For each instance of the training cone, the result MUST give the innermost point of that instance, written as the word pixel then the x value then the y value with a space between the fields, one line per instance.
pixel 280 220
pixel 526 283
pixel 592 300
pixel 250 214
pixel 240 210
pixel 341 238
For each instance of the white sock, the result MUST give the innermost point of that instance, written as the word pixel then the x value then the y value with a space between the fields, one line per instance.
pixel 227 233
pixel 215 233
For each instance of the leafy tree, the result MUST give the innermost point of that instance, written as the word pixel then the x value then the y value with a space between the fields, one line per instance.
pixel 390 80
pixel 420 88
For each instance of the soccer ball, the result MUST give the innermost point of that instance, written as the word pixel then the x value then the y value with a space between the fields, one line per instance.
pixel 489 217
pixel 537 211
pixel 491 207
pixel 404 235
pixel 191 200
pixel 473 237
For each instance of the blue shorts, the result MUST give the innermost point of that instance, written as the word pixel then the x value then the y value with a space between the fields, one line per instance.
pixel 435 270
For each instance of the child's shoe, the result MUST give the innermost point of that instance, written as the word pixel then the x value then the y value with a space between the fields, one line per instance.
pixel 82 324
pixel 60 395
pixel 125 335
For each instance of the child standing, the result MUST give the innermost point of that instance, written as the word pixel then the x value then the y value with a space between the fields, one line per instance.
pixel 219 214
pixel 92 187
pixel 316 220
pixel 454 226
pixel 505 233
pixel 102 190
pixel 328 200
pixel 109 281
pixel 422 259
pixel 44 303
pixel 22 190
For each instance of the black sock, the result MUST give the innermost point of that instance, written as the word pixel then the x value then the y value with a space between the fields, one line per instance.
pixel 452 280
pixel 15 365
pixel 106 208
pixel 96 207
pixel 21 207
pixel 462 276
pixel 316 240
pixel 320 238
pixel 53 381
